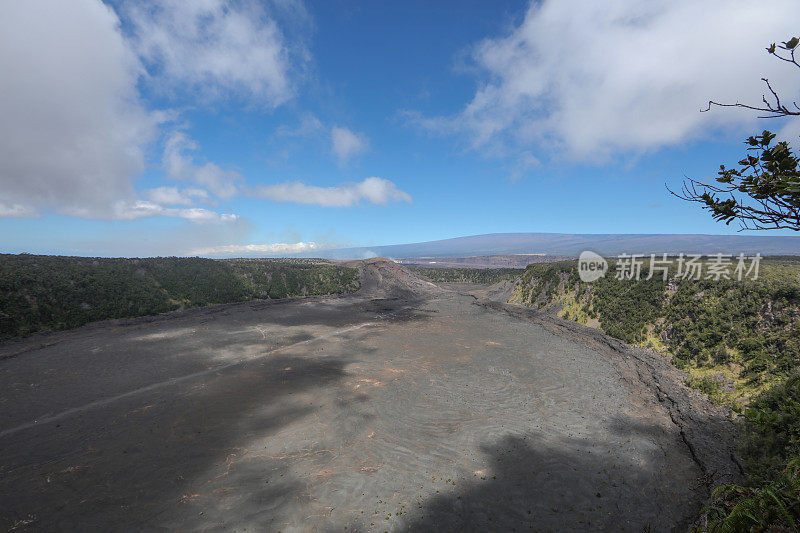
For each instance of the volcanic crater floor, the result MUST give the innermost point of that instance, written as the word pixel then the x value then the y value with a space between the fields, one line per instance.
pixel 350 414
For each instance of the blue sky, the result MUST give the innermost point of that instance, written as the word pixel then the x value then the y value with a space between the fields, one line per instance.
pixel 238 128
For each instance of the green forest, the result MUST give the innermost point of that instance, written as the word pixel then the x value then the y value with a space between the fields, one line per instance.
pixel 735 337
pixel 40 293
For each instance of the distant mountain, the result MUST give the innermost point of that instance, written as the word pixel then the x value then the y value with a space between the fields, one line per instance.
pixel 482 261
pixel 565 244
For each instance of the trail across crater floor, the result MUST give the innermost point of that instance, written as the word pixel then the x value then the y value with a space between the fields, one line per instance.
pixel 414 409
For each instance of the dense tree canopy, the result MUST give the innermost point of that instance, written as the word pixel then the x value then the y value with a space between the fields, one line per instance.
pixel 47 292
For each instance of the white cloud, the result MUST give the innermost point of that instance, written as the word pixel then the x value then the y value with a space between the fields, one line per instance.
pixel 308 126
pixel 346 144
pixel 180 164
pixel 17 211
pixel 124 210
pixel 73 126
pixel 174 196
pixel 375 190
pixel 249 249
pixel 215 47
pixel 593 79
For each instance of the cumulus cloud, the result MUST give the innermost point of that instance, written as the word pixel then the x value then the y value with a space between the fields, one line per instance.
pixel 346 144
pixel 17 211
pixel 174 196
pixel 250 249
pixel 124 210
pixel 180 164
pixel 73 127
pixel 598 78
pixel 374 190
pixel 215 47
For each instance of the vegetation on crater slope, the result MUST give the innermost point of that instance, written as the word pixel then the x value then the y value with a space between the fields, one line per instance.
pixel 53 293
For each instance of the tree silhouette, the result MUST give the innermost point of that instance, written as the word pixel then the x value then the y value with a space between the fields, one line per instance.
pixel 763 191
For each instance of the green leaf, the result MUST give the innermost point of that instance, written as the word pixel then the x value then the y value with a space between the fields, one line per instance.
pixel 791 43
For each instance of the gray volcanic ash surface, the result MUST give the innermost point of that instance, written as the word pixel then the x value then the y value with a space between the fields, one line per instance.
pixel 405 406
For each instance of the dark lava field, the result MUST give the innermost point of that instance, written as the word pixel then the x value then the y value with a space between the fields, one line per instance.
pixel 405 406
